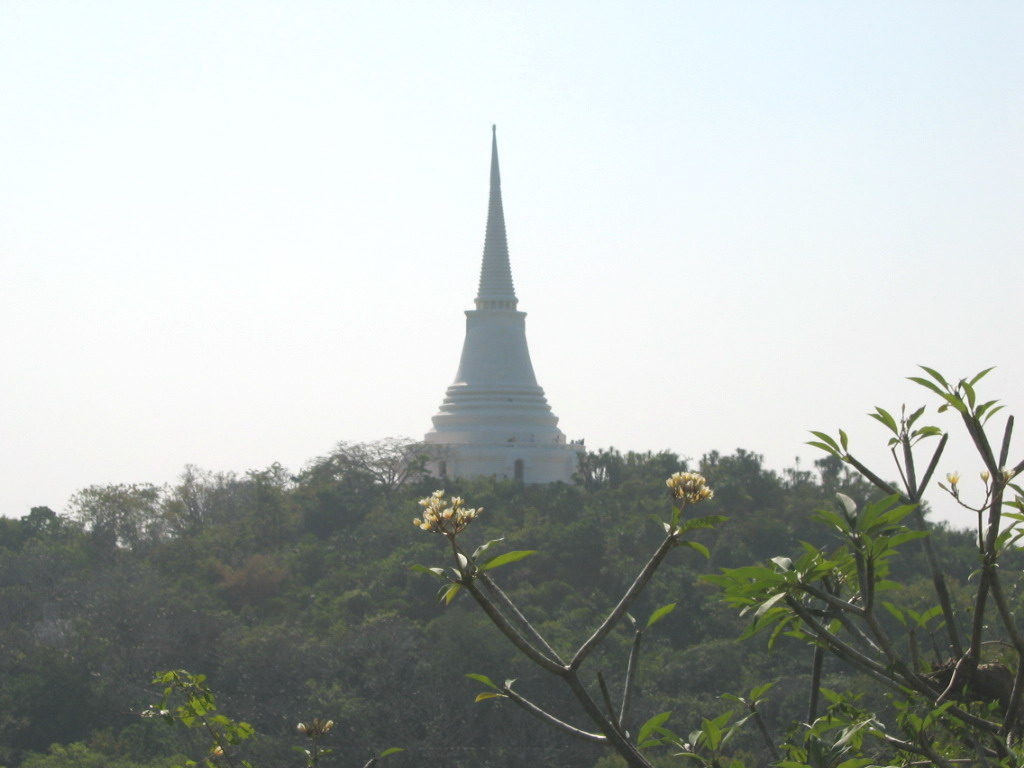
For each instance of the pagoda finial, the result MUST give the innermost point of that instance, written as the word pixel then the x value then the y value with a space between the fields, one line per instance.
pixel 496 290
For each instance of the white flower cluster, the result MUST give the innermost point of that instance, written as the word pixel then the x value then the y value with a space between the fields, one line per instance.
pixel 689 487
pixel 315 728
pixel 445 516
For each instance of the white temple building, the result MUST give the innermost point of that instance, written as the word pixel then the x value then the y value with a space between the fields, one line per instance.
pixel 495 419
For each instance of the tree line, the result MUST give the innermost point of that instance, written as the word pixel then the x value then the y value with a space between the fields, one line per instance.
pixel 294 594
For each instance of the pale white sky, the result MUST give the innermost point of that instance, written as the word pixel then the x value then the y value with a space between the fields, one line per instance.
pixel 233 233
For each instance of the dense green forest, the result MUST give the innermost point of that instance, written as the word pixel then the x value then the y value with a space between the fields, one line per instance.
pixel 294 594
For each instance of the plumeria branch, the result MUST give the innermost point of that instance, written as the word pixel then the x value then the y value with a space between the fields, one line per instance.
pixel 620 610
pixel 686 488
pixel 623 746
pixel 450 517
pixel 923 748
pixel 913 496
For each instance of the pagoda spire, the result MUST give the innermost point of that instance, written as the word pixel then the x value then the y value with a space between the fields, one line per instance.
pixel 495 419
pixel 496 290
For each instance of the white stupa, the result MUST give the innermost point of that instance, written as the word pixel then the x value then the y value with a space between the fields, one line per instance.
pixel 495 419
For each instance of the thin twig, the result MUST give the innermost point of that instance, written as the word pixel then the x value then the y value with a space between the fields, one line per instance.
pixel 606 696
pixel 954 679
pixel 631 666
pixel 550 719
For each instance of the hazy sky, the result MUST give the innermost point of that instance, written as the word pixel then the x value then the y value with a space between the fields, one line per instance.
pixel 233 233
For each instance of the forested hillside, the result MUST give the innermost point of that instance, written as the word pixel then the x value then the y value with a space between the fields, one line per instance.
pixel 293 593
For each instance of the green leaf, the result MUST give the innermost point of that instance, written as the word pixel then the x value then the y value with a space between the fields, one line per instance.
pixel 450 593
pixel 884 417
pixel 482 679
pixel 833 519
pixel 392 751
pixel 935 375
pixel 508 557
pixel 712 729
pixel 955 401
pixel 647 728
pixel 978 376
pixel 980 410
pixel 659 614
pixel 927 384
pixel 822 446
pixel 895 611
pixel 834 697
pixel 915 416
pixel 488 695
pixel 844 440
pixel 697 547
pixel 439 572
pixel 761 690
pixel 826 439
pixel 779 629
pixel 901 538
pixel 768 604
pixel 971 397
pixel 993 412
pixel 931 613
pixel 482 549
pixel 848 504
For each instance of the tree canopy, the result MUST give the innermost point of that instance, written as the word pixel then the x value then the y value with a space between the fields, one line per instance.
pixel 293 593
